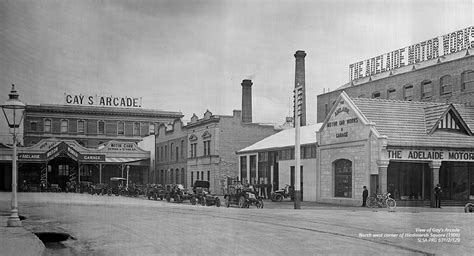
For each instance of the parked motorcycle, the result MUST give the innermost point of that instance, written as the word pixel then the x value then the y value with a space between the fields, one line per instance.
pixel 278 195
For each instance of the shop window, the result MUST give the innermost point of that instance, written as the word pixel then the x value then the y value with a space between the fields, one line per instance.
pixel 86 171
pixel 120 128
pixel 243 168
pixel 136 129
pixel 408 92
pixel 445 83
pixel 426 88
pixel 343 178
pixel 467 80
pixel 80 126
pixel 64 126
pixel 375 95
pixel 409 181
pixel 63 170
pixel 101 127
pixel 47 125
pixel 34 126
pixel 391 94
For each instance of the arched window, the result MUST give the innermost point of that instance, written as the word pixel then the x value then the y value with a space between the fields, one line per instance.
pixel 182 175
pixel 426 88
pixel 343 178
pixel 467 80
pixel 445 83
pixel 178 180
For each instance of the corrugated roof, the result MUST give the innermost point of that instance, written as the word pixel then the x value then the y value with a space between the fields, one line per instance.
pixel 285 138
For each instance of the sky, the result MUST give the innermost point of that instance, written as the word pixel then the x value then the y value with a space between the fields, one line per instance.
pixel 191 56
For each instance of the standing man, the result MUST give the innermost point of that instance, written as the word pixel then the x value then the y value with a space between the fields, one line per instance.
pixel 437 192
pixel 365 194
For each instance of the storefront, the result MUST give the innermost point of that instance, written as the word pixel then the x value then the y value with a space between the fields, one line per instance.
pixel 60 161
pixel 404 148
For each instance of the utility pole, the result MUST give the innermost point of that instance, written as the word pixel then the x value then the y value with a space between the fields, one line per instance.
pixel 299 101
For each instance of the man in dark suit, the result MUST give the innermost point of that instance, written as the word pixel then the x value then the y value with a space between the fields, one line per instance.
pixel 437 192
pixel 365 194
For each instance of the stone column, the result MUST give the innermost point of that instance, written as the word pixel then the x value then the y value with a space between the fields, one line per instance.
pixel 434 165
pixel 383 166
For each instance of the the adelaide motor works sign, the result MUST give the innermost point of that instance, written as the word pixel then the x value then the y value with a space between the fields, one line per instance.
pixel 440 155
pixel 102 101
pixel 427 50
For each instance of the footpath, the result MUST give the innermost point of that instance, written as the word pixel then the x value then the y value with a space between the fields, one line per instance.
pixel 18 241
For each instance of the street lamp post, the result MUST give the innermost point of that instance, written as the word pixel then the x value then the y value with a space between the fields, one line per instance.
pixel 13 109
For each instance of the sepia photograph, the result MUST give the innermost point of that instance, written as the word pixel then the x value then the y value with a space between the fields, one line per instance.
pixel 236 127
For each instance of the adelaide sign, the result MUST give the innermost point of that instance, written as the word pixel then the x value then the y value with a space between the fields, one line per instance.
pixel 102 101
pixel 427 50
pixel 431 155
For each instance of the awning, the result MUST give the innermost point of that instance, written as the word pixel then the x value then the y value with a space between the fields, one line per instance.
pixel 124 159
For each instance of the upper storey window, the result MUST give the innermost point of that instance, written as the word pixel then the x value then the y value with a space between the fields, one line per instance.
pixel 445 83
pixel 426 88
pixel 101 127
pixel 408 92
pixel 136 128
pixel 467 80
pixel 64 126
pixel 152 129
pixel 80 126
pixel 47 125
pixel 120 128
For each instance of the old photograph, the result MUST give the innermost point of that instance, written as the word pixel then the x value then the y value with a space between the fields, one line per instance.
pixel 236 127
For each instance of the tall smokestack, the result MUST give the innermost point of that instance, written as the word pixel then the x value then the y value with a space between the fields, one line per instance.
pixel 300 81
pixel 246 101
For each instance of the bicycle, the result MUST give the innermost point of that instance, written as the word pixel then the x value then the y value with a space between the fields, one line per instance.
pixel 381 201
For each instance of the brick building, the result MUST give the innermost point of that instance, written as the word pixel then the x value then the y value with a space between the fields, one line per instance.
pixel 210 144
pixel 83 143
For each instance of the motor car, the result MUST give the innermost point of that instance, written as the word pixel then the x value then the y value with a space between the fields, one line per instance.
pixel 179 193
pixel 242 195
pixel 202 195
pixel 115 186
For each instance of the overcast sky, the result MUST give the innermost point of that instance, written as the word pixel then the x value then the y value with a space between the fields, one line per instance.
pixel 190 56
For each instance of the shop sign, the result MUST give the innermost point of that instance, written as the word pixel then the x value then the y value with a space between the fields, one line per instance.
pixel 102 101
pixel 93 158
pixel 441 155
pixel 121 146
pixel 30 156
pixel 427 50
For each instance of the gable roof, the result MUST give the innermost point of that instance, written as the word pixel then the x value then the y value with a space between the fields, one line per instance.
pixel 285 138
pixel 410 123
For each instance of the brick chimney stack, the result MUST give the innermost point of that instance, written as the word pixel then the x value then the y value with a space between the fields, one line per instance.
pixel 300 81
pixel 246 101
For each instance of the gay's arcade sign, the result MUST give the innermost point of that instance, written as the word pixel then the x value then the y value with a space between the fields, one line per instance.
pixel 427 50
pixel 102 101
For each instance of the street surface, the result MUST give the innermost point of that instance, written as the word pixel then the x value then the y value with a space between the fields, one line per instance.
pixel 112 225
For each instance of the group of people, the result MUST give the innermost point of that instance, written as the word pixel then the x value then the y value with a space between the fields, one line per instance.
pixel 437 194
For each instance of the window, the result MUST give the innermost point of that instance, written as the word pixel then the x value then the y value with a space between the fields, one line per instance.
pixel 445 83
pixel 158 154
pixel 64 126
pixel 161 154
pixel 80 126
pixel 426 89
pixel 207 147
pixel 152 129
pixel 120 128
pixel 171 151
pixel 375 95
pixel 192 178
pixel 208 175
pixel 408 92
pixel 136 128
pixel 177 154
pixel 193 149
pixel 391 94
pixel 101 127
pixel 182 149
pixel 33 126
pixel 243 168
pixel 166 152
pixel 86 170
pixel 467 80
pixel 47 125
pixel 343 178
pixel 63 170
pixel 197 175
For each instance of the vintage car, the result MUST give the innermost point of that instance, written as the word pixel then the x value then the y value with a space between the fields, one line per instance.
pixel 179 193
pixel 202 195
pixel 99 189
pixel 242 195
pixel 116 186
pixel 154 191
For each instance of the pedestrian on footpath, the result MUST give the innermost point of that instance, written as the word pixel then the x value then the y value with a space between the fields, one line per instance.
pixel 437 192
pixel 365 194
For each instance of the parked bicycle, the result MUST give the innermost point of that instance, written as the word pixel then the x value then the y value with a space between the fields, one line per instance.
pixel 381 201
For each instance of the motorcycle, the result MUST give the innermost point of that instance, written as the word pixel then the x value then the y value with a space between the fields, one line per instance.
pixel 278 195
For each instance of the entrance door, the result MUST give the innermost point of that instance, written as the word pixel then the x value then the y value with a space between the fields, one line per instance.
pixel 454 180
pixel 374 184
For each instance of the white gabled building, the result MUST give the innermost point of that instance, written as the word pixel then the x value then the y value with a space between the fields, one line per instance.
pixel 270 163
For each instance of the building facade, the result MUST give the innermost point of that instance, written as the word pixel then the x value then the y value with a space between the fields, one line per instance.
pixel 269 164
pixel 401 147
pixel 83 143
